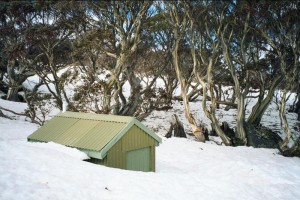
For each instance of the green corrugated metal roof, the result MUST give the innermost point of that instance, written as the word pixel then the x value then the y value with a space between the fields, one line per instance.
pixel 86 131
pixel 98 117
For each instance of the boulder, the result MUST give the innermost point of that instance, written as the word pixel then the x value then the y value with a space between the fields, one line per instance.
pixel 262 137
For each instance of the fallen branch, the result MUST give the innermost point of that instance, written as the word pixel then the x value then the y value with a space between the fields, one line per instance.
pixel 227 103
pixel 15 113
pixel 5 116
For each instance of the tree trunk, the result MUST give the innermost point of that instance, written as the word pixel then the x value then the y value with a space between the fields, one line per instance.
pixel 218 130
pixel 206 87
pixel 211 114
pixel 240 127
pixel 194 93
pixel 196 130
pixel 106 99
pixel 12 94
pixel 284 121
pixel 218 90
pixel 121 60
pixel 14 82
pixel 177 127
pixel 261 106
pixel 170 132
pixel 240 95
pixel 134 99
pixel 183 85
pixel 298 103
pixel 298 108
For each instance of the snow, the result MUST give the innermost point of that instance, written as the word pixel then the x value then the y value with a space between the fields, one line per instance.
pixel 185 169
pixel 31 81
pixel 157 119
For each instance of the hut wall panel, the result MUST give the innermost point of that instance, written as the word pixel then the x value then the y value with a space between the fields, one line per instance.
pixel 134 139
pixel 115 156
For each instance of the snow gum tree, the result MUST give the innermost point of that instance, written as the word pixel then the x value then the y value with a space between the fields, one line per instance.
pixel 177 18
pixel 119 31
pixel 203 32
pixel 241 86
pixel 99 48
pixel 283 37
pixel 15 17
pixel 51 42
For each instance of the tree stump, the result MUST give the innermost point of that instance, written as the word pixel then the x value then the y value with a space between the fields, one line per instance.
pixel 199 134
pixel 176 127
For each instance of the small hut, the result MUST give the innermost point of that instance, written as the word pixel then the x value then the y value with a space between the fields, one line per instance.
pixel 114 141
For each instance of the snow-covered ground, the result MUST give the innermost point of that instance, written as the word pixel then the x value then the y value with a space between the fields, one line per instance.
pixel 185 169
pixel 158 119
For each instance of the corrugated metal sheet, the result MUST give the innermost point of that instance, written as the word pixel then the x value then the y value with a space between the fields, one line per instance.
pixel 81 130
pixel 115 156
pixel 106 138
pixel 52 129
pixel 134 139
pixel 100 135
pixel 99 117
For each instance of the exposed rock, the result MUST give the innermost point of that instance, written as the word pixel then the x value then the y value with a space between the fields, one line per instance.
pixel 291 152
pixel 262 137
pixel 294 151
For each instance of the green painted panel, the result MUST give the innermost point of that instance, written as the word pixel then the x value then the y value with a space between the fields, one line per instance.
pixel 52 129
pixel 147 130
pixel 97 117
pixel 79 133
pixel 138 160
pixel 136 138
pixel 115 156
pixel 75 133
pixel 100 136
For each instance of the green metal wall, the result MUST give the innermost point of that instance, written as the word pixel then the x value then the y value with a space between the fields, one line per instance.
pixel 101 136
pixel 134 139
pixel 139 160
